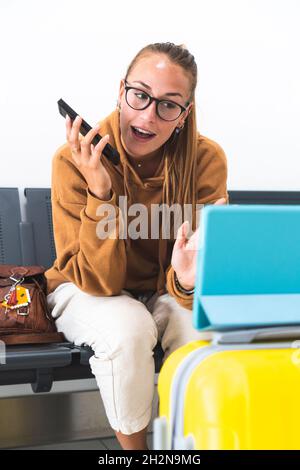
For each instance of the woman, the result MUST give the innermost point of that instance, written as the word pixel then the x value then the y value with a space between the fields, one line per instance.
pixel 121 294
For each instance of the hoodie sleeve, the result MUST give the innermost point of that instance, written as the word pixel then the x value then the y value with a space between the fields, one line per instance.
pixel 212 185
pixel 97 265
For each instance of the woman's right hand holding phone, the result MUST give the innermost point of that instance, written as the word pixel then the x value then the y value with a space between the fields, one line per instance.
pixel 88 158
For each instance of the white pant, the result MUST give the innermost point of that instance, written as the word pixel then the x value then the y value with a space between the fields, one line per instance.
pixel 122 331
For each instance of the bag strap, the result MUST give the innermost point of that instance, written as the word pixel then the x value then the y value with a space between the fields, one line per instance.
pixel 253 335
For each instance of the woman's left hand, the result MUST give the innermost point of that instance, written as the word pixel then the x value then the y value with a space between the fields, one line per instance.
pixel 184 255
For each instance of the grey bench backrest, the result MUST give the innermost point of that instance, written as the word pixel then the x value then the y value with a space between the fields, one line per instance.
pixel 10 218
pixel 39 216
pixel 32 241
pixel 264 197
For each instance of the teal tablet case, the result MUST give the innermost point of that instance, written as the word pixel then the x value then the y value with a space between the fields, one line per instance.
pixel 248 267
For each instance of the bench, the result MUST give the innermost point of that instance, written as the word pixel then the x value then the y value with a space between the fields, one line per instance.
pixel 28 239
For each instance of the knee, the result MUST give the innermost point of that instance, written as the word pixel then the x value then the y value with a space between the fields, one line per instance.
pixel 126 354
pixel 140 336
pixel 135 338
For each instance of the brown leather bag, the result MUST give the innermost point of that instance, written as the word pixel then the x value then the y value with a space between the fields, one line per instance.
pixel 24 313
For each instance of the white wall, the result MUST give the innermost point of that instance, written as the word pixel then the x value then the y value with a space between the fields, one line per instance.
pixel 249 74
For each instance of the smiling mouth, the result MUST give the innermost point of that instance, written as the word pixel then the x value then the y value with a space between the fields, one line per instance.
pixel 142 134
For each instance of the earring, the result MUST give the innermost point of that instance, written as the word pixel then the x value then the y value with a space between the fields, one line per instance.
pixel 178 129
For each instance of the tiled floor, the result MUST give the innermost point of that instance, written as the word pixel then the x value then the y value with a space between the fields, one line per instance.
pixel 108 443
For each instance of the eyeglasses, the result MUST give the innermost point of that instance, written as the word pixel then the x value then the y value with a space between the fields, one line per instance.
pixel 139 100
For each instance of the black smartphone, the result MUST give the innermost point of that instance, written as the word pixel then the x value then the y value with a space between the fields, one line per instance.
pixel 111 153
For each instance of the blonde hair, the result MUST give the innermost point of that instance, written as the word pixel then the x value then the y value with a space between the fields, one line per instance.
pixel 180 151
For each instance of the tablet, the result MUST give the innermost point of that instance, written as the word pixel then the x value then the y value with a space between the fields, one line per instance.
pixel 248 267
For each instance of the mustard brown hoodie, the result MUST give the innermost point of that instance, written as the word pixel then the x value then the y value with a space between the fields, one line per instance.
pixel 103 267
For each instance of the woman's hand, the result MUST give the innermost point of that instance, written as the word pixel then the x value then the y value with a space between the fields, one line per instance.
pixel 87 158
pixel 184 255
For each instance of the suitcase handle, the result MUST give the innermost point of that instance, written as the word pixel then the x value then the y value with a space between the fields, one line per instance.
pixel 254 335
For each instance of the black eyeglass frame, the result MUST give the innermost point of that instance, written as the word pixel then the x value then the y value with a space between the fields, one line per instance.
pixel 151 99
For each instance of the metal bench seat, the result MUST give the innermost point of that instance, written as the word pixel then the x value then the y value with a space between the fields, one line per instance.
pixel 31 241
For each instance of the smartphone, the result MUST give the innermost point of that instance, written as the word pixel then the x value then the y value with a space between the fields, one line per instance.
pixel 111 153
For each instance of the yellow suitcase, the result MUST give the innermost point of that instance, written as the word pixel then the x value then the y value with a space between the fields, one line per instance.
pixel 239 391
